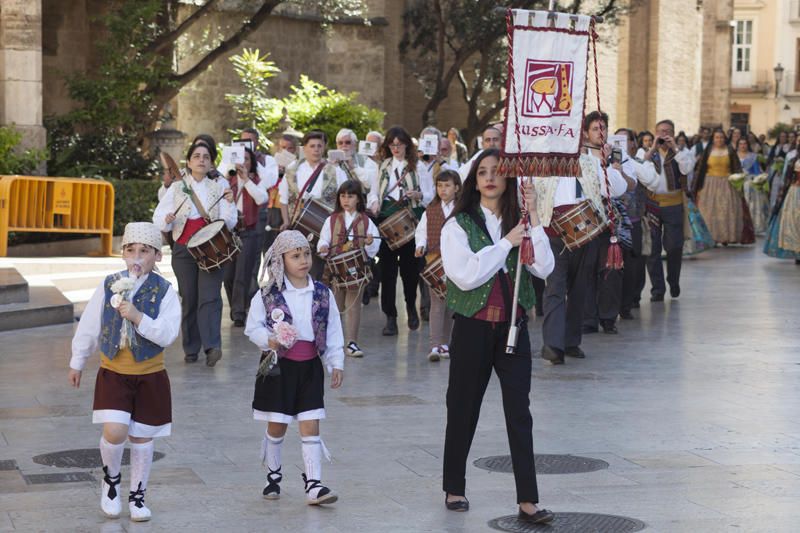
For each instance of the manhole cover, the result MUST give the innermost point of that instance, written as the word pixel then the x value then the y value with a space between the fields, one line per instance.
pixel 571 523
pixel 8 464
pixel 69 477
pixel 545 464
pixel 85 458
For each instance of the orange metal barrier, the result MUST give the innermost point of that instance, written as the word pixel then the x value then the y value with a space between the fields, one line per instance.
pixel 56 205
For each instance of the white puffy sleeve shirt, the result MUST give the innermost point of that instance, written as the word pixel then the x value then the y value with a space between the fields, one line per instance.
pixel 469 270
pixel 162 330
pixel 299 301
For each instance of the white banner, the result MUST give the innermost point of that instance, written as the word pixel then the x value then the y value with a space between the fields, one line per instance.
pixel 548 78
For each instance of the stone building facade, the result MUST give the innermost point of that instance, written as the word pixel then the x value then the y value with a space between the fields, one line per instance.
pixel 670 58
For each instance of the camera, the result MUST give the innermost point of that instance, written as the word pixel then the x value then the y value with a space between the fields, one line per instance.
pixel 231 173
pixel 660 141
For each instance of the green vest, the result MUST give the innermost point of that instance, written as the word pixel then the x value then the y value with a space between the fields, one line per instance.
pixel 467 303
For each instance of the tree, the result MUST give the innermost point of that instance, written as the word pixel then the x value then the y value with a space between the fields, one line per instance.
pixel 310 105
pixel 137 75
pixel 464 40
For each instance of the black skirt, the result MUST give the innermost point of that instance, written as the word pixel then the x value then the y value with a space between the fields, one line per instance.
pixel 298 388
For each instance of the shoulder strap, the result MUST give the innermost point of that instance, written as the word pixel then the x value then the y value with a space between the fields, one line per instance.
pixel 198 204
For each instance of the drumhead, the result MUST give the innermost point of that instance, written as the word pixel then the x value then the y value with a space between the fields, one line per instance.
pixel 205 233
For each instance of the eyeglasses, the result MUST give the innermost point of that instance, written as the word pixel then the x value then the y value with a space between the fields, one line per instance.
pixel 397 145
pixel 345 142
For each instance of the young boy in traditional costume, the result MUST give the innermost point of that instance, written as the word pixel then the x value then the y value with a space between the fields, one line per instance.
pixel 295 322
pixel 131 318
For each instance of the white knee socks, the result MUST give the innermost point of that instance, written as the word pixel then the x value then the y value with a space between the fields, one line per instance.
pixel 312 457
pixel 271 454
pixel 111 455
pixel 141 461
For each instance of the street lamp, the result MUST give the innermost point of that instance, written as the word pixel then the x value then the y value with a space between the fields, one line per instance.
pixel 778 70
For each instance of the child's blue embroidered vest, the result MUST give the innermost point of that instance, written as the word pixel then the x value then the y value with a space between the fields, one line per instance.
pixel 147 300
pixel 273 299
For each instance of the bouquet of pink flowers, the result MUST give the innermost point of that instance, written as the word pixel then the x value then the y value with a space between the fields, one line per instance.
pixel 286 335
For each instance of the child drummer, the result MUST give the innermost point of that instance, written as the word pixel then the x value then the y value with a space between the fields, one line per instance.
pixel 297 319
pixel 427 237
pixel 349 228
pixel 131 318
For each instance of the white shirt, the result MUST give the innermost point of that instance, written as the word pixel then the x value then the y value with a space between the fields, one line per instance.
pixel 304 171
pixel 325 234
pixel 463 171
pixel 658 180
pixel 299 302
pixel 162 330
pixel 421 233
pixel 469 270
pixel 258 192
pixel 267 173
pixel 565 190
pixel 166 205
pixel 395 170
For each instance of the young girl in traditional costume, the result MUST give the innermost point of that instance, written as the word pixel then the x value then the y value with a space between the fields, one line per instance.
pixel 427 237
pixel 480 246
pixel 349 228
pixel 295 322
pixel 131 318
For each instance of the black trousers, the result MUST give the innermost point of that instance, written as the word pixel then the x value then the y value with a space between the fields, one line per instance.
pixel 391 261
pixel 634 272
pixel 565 294
pixel 668 234
pixel 603 287
pixel 476 347
pixel 238 275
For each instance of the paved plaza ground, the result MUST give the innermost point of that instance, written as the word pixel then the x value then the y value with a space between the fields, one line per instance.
pixel 694 406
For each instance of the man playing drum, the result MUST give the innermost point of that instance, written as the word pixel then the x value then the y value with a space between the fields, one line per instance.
pixel 564 294
pixel 312 180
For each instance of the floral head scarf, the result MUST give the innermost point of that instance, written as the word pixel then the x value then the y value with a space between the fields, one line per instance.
pixel 286 241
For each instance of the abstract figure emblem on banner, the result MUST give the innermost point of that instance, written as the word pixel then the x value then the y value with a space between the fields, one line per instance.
pixel 549 88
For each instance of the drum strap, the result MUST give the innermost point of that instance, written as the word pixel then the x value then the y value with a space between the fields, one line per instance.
pixel 505 289
pixel 309 184
pixel 198 204
pixel 399 180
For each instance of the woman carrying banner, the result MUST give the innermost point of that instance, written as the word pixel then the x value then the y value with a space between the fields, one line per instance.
pixel 480 246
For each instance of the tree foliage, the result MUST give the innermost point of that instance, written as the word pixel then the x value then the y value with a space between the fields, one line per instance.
pixel 463 41
pixel 121 99
pixel 310 105
pixel 12 159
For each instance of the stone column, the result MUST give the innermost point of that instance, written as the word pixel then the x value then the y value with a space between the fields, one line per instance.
pixel 715 94
pixel 21 69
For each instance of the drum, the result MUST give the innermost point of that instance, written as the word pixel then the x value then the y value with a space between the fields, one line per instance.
pixel 350 269
pixel 433 275
pixel 578 225
pixel 398 229
pixel 311 218
pixel 213 245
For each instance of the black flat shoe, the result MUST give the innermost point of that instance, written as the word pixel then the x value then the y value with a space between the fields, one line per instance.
pixel 190 358
pixel 575 351
pixel 626 315
pixel 657 298
pixel 391 327
pixel 609 327
pixel 413 320
pixel 552 355
pixel 458 506
pixel 675 291
pixel 542 516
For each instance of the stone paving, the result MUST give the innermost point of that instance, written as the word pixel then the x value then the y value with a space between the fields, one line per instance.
pixel 694 406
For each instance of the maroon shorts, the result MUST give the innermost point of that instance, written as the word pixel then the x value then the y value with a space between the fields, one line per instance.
pixel 144 403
